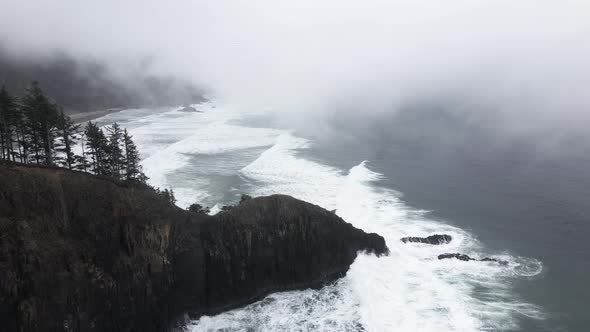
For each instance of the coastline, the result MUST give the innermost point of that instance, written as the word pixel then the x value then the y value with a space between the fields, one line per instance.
pixel 131 247
pixel 82 117
pixel 89 116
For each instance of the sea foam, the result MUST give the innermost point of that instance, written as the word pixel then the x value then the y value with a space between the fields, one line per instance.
pixel 409 290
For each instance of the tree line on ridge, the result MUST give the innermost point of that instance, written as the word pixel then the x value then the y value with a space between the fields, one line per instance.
pixel 35 130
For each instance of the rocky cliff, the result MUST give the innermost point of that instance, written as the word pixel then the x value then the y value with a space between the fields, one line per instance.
pixel 84 253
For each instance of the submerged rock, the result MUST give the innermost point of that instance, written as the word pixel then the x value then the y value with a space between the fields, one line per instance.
pixel 464 257
pixel 432 239
pixel 87 253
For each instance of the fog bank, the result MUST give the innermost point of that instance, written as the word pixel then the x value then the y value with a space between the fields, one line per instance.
pixel 521 67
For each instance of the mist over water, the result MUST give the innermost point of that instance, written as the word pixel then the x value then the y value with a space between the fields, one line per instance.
pixel 518 67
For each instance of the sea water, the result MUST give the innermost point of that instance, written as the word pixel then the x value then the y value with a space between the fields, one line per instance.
pixel 212 157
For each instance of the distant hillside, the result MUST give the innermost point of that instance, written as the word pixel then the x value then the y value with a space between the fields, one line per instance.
pixel 87 86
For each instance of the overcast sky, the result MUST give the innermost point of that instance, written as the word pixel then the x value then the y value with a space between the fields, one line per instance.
pixel 523 61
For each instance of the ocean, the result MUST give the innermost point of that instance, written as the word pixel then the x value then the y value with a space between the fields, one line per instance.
pixel 402 176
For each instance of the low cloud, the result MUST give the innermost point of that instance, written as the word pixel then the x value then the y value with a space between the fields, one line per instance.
pixel 522 67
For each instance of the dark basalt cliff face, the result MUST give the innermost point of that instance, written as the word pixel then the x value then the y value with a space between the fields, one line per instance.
pixel 84 253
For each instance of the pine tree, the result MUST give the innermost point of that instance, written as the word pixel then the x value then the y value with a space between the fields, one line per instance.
pixel 132 167
pixel 67 139
pixel 21 138
pixel 116 157
pixel 11 122
pixel 168 195
pixel 5 135
pixel 198 208
pixel 90 132
pixel 37 130
pixel 7 110
pixel 81 161
pixel 172 197
pixel 97 147
pixel 245 198
pixel 41 119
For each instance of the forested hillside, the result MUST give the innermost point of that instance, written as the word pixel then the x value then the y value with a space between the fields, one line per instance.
pixel 82 86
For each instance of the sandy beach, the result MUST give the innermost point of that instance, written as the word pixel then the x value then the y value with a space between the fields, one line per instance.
pixel 89 116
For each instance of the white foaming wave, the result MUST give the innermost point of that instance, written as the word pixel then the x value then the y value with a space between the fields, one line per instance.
pixel 168 137
pixel 413 290
pixel 220 137
pixel 209 138
pixel 282 172
pixel 409 290
pixel 172 142
pixel 161 130
pixel 332 308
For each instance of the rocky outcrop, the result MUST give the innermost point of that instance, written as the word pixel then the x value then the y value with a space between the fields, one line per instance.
pixel 264 245
pixel 466 258
pixel 432 239
pixel 85 253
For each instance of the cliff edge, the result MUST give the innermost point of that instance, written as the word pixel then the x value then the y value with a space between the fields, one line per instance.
pixel 86 253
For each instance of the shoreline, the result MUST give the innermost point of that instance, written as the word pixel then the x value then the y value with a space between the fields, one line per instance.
pixel 89 116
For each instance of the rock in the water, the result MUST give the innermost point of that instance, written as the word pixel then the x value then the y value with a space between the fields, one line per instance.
pixel 432 239
pixel 189 109
pixel 499 261
pixel 457 256
pixel 87 253
pixel 464 257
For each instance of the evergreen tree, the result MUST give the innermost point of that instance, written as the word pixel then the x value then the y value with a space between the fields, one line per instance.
pixel 245 198
pixel 198 208
pixel 81 161
pixel 12 128
pixel 67 139
pixel 41 119
pixel 116 157
pixel 226 208
pixel 97 147
pixel 10 119
pixel 5 136
pixel 172 197
pixel 37 130
pixel 132 167
pixel 168 195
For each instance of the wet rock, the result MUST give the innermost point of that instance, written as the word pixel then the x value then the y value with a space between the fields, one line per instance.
pixel 432 239
pixel 87 253
pixel 464 257
pixel 264 245
pixel 189 109
pixel 499 261
pixel 457 256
